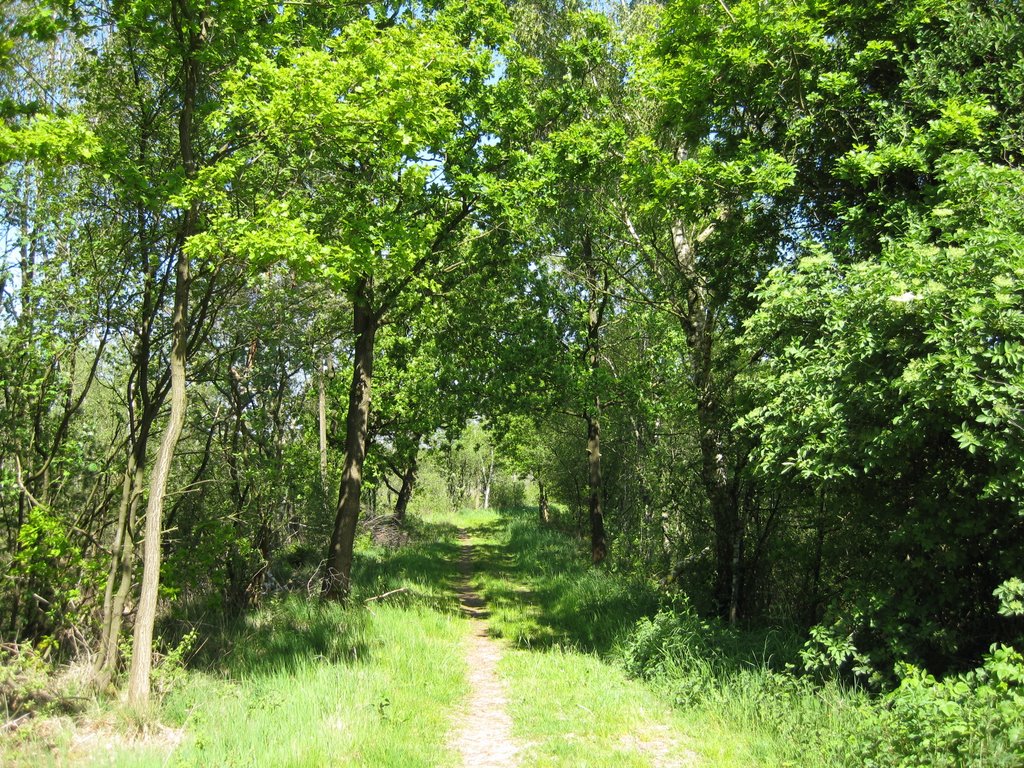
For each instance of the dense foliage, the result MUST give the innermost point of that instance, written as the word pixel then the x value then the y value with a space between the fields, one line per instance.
pixel 732 289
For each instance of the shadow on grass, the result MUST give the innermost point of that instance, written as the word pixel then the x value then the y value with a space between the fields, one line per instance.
pixel 292 633
pixel 289 632
pixel 542 589
pixel 425 569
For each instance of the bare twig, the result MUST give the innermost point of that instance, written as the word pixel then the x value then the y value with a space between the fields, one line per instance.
pixel 13 724
pixel 387 594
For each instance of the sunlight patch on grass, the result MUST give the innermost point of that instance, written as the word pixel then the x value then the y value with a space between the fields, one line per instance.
pixel 542 590
pixel 299 682
pixel 574 704
pixel 385 700
pixel 572 709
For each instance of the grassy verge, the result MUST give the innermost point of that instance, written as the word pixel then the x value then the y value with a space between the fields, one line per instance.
pixel 297 682
pixel 583 636
pixel 599 673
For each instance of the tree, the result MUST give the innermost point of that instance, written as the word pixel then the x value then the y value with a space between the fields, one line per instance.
pixel 573 223
pixel 712 180
pixel 380 129
pixel 889 374
pixel 55 322
pixel 178 52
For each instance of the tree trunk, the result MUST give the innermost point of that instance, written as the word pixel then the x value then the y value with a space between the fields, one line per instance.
pixel 405 492
pixel 816 602
pixel 598 542
pixel 122 561
pixel 597 304
pixel 190 35
pixel 715 475
pixel 488 480
pixel 103 663
pixel 337 580
pixel 698 322
pixel 145 618
pixel 724 515
pixel 736 577
pixel 542 503
pixel 322 420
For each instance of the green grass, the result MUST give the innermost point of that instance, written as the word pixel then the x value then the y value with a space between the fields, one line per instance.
pixel 377 693
pixel 301 683
pixel 304 683
pixel 573 709
pixel 542 591
pixel 719 694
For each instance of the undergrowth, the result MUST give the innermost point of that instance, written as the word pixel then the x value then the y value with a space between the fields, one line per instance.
pixel 298 682
pixel 295 682
pixel 972 720
pixel 752 683
pixel 710 670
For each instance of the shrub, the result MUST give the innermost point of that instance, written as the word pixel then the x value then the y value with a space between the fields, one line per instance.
pixel 672 638
pixel 709 667
pixel 967 720
pixel 24 682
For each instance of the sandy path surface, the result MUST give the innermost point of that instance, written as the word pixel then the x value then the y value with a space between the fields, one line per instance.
pixel 483 731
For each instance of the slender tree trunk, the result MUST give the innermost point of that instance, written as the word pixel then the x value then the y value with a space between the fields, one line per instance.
pixel 408 481
pixel 598 542
pixel 595 320
pixel 145 618
pixel 104 660
pixel 736 577
pixel 724 515
pixel 322 420
pixel 816 601
pixel 125 566
pixel 122 561
pixel 715 475
pixel 488 479
pixel 337 580
pixel 542 503
pixel 698 325
pixel 190 38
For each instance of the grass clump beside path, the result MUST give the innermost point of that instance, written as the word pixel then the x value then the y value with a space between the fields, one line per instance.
pixel 372 687
pixel 542 591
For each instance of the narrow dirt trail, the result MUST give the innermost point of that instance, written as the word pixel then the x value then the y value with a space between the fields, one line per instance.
pixel 483 732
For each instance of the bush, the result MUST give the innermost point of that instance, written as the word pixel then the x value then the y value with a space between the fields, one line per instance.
pixel 508 492
pixel 24 680
pixel 972 720
pixel 671 639
pixel 30 685
pixel 968 720
pixel 709 667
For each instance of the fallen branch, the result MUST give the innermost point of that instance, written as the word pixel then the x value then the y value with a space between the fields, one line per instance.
pixel 387 594
pixel 12 724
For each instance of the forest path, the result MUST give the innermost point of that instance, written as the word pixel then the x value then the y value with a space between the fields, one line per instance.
pixel 560 694
pixel 483 735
